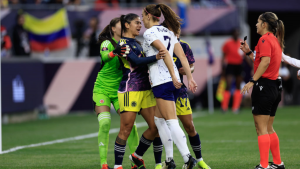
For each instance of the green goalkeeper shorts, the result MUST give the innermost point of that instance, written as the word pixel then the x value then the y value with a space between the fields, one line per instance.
pixel 101 99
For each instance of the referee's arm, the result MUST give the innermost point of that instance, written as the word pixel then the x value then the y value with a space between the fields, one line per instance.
pixel 262 67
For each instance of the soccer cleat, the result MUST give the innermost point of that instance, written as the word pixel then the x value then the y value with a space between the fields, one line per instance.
pixel 191 163
pixel 169 165
pixel 119 167
pixel 105 166
pixel 158 166
pixel 134 167
pixel 260 167
pixel 203 165
pixel 138 162
pixel 275 166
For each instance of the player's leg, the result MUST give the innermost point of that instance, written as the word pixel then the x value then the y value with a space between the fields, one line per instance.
pixel 165 135
pixel 146 139
pixel 184 113
pixel 133 139
pixel 227 94
pixel 148 105
pixel 127 118
pixel 166 96
pixel 157 149
pixel 261 125
pixel 237 96
pixel 274 140
pixel 102 108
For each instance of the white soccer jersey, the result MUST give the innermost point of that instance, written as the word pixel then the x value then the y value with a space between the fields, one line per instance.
pixel 159 73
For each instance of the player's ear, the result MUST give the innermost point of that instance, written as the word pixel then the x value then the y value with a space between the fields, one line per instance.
pixel 127 25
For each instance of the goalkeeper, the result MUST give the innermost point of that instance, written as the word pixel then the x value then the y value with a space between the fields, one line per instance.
pixel 106 88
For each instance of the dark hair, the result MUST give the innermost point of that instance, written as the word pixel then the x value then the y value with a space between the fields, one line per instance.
pixel 126 19
pixel 274 25
pixel 172 20
pixel 107 33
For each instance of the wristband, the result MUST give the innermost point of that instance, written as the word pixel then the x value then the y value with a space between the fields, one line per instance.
pixel 252 80
pixel 111 54
pixel 249 53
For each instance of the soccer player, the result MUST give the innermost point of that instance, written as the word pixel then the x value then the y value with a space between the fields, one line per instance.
pixel 134 93
pixel 267 87
pixel 183 107
pixel 162 73
pixel 232 60
pixel 293 62
pixel 106 88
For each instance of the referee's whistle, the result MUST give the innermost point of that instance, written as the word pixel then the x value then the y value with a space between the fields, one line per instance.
pixel 245 38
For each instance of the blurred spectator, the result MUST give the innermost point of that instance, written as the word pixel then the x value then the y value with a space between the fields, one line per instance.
pixel 287 82
pixel 104 4
pixel 91 37
pixel 5 42
pixel 78 35
pixel 232 60
pixel 20 38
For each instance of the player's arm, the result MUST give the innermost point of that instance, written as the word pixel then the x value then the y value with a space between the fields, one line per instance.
pixel 105 49
pixel 168 61
pixel 291 61
pixel 139 61
pixel 179 52
pixel 190 58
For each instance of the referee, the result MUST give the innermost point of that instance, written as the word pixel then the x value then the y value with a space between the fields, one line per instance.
pixel 266 93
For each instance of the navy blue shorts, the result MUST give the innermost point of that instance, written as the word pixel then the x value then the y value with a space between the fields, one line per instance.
pixel 166 91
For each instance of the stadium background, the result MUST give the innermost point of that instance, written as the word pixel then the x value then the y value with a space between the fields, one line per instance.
pixel 58 81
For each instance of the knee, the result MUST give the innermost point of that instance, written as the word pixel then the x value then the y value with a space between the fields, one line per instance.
pixel 105 125
pixel 125 129
pixel 190 129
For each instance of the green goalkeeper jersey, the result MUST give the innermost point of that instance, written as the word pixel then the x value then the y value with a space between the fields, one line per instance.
pixel 110 74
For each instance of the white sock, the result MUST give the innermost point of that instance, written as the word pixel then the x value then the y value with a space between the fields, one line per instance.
pixel 116 166
pixel 179 138
pixel 165 136
pixel 199 159
pixel 138 156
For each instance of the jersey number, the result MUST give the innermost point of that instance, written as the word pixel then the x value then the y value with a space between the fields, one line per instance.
pixel 167 37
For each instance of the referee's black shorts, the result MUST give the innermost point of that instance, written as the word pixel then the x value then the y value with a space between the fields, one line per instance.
pixel 235 70
pixel 265 97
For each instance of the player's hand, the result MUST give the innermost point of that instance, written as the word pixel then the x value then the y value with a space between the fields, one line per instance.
pixel 176 83
pixel 246 88
pixel 244 47
pixel 161 54
pixel 181 71
pixel 121 50
pixel 192 85
pixel 298 74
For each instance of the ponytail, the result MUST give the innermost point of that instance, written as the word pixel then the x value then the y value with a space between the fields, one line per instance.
pixel 172 20
pixel 107 33
pixel 274 25
pixel 280 33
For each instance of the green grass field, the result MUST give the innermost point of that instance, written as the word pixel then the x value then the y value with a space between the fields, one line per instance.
pixel 229 141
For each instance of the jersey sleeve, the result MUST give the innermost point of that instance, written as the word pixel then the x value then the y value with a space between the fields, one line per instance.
pixel 224 48
pixel 291 61
pixel 264 47
pixel 188 53
pixel 105 48
pixel 150 36
pixel 139 60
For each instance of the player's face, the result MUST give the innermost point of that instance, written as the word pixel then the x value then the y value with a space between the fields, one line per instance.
pixel 135 26
pixel 145 20
pixel 259 28
pixel 117 29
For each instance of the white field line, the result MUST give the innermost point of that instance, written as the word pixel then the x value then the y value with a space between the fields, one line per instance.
pixel 111 131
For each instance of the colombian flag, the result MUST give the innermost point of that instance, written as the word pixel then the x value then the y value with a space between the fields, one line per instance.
pixel 50 33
